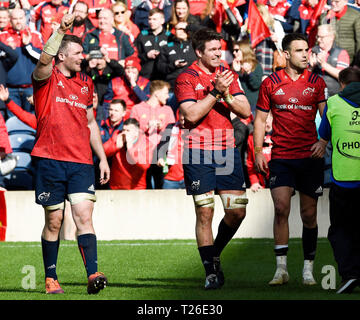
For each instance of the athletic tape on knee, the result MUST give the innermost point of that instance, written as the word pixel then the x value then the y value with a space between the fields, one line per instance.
pixel 76 198
pixel 59 206
pixel 234 201
pixel 52 46
pixel 206 200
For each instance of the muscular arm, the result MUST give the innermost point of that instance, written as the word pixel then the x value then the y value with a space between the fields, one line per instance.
pixel 240 106
pixel 259 133
pixel 43 68
pixel 97 146
pixel 193 112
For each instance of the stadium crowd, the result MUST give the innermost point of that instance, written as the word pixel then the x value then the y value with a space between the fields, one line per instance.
pixel 130 44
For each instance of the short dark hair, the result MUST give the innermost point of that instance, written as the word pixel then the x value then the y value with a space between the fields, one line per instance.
pixel 348 75
pixel 286 42
pixel 202 36
pixel 68 38
pixel 132 121
pixel 156 10
pixel 117 101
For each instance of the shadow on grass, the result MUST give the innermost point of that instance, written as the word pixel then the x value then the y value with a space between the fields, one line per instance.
pixel 160 283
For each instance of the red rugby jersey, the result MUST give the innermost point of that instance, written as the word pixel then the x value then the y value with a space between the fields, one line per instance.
pixel 61 105
pixel 294 105
pixel 215 130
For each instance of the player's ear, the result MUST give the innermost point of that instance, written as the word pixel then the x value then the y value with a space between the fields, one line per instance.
pixel 198 53
pixel 287 54
pixel 61 56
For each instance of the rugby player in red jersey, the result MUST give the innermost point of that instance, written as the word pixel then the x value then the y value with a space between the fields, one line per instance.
pixel 294 95
pixel 207 93
pixel 66 133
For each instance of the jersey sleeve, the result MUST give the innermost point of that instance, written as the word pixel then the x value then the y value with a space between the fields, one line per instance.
pixel 184 89
pixel 322 91
pixel 263 102
pixel 91 93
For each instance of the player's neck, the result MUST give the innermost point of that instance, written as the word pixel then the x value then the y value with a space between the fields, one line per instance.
pixel 206 69
pixel 293 72
pixel 153 102
pixel 157 31
pixel 65 71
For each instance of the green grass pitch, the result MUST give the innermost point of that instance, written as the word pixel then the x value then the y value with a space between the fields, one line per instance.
pixel 164 270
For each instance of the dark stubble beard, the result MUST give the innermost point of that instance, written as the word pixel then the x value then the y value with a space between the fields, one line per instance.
pixel 78 22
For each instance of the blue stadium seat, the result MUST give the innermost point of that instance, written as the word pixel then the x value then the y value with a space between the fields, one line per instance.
pixel 24 161
pixel 19 180
pixel 22 142
pixel 15 125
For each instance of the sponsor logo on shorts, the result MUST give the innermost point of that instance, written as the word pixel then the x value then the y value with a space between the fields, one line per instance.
pixel 195 185
pixel 44 196
pixel 319 190
pixel 91 188
pixel 272 181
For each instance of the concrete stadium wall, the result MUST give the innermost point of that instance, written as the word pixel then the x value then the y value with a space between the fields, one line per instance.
pixel 152 214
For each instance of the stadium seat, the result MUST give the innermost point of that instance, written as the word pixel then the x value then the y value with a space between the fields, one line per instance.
pixel 24 160
pixel 22 178
pixel 19 180
pixel 14 125
pixel 22 142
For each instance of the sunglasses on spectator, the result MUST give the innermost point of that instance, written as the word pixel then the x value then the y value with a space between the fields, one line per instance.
pixel 180 29
pixel 236 50
pixel 119 12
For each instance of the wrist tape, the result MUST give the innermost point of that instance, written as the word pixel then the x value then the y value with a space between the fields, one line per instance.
pixel 52 46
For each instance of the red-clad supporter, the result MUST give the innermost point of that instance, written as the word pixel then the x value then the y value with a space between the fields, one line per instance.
pixel 131 87
pixel 123 22
pixel 7 160
pixel 278 8
pixel 95 7
pixel 23 4
pixel 82 23
pixel 5 147
pixel 46 12
pixel 154 116
pixel 131 154
pixel 257 179
pixel 306 11
pixel 28 45
pixel 116 42
pixel 197 7
pixel 4 18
